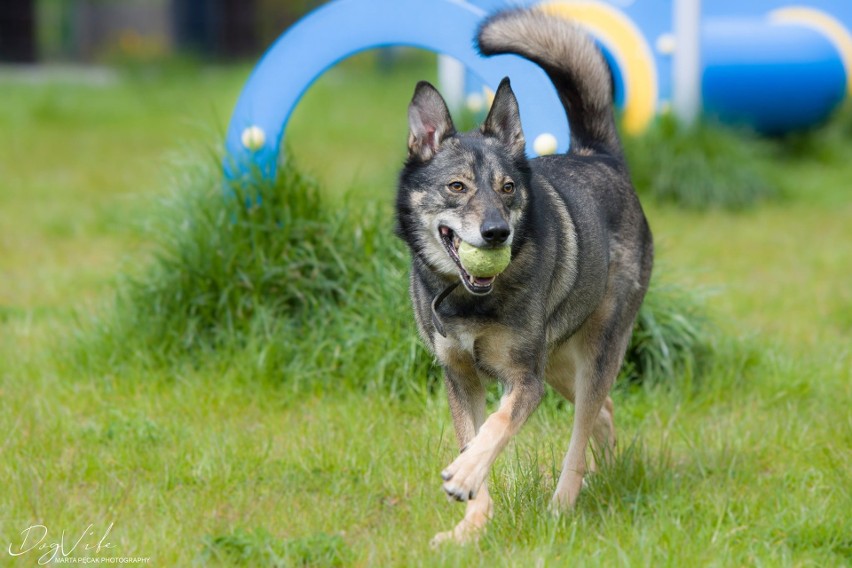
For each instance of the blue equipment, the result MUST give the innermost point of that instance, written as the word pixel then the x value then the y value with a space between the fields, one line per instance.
pixel 767 64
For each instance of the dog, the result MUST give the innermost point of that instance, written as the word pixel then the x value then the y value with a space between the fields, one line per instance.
pixel 562 311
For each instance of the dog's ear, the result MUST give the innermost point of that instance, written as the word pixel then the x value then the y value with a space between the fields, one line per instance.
pixel 504 119
pixel 429 122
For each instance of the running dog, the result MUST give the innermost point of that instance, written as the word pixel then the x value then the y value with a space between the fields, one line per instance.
pixel 563 310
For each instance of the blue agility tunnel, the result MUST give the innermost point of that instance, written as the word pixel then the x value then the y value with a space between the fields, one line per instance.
pixel 772 76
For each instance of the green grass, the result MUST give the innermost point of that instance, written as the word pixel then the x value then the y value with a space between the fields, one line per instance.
pixel 702 166
pixel 237 283
pixel 299 451
pixel 237 275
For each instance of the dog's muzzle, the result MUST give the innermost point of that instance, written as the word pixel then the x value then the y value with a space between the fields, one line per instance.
pixel 475 285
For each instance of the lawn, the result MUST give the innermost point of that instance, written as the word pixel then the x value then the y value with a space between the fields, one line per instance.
pixel 227 459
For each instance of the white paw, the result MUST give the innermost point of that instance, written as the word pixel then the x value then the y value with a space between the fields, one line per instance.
pixel 566 494
pixel 441 538
pixel 464 477
pixel 464 533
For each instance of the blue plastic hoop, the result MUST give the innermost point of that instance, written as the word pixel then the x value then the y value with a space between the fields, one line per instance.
pixel 345 27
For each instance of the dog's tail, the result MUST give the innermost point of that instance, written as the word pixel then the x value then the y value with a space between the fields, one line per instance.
pixel 571 60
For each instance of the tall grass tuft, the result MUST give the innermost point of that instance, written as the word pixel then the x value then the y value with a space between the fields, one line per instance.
pixel 275 282
pixel 281 284
pixel 703 166
pixel 221 262
pixel 671 339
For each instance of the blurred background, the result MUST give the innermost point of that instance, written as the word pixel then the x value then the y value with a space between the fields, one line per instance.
pixel 34 31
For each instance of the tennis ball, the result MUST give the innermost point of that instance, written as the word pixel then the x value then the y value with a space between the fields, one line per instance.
pixel 545 144
pixel 482 262
pixel 253 138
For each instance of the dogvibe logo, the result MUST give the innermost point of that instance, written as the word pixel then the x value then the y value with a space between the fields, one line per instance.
pixel 92 545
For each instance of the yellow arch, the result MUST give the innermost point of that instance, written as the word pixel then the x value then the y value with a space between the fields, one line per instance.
pixel 833 29
pixel 628 47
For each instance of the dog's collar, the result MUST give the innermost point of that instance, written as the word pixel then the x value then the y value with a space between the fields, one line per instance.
pixel 436 319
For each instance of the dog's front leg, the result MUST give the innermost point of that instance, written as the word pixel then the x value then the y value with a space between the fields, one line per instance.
pixel 467 406
pixel 467 474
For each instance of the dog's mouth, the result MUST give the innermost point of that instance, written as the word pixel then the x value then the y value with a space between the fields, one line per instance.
pixel 474 284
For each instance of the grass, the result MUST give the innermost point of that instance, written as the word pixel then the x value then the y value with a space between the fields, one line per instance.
pixel 238 275
pixel 672 336
pixel 701 166
pixel 237 457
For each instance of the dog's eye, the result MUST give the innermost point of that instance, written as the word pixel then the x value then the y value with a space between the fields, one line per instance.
pixel 508 187
pixel 456 186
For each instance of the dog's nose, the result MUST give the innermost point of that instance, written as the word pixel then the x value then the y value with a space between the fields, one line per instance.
pixel 495 232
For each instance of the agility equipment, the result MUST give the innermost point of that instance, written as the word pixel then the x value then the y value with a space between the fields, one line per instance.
pixel 343 28
pixel 768 64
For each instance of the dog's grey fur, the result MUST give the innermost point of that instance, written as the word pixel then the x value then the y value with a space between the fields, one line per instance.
pixel 563 310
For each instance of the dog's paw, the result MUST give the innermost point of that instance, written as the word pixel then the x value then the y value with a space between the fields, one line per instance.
pixel 463 533
pixel 565 497
pixel 558 506
pixel 463 478
pixel 444 538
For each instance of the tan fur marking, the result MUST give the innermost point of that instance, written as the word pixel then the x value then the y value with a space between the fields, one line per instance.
pixel 567 274
pixel 417 198
pixel 560 371
pixel 453 354
pixel 494 345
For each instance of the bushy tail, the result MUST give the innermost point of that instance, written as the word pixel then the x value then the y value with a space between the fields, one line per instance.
pixel 571 60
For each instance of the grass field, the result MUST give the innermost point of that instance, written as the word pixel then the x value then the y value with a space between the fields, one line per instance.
pixel 226 459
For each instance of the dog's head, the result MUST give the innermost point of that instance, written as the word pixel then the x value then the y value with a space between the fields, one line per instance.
pixel 469 186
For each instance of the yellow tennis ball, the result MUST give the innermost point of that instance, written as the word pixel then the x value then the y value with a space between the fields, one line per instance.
pixel 484 262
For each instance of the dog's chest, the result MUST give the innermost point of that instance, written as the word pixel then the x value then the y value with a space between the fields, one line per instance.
pixel 456 347
pixel 483 347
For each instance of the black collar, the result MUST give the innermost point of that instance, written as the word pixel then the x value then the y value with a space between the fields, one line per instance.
pixel 436 319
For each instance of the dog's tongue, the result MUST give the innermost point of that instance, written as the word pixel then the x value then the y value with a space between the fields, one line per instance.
pixel 482 281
